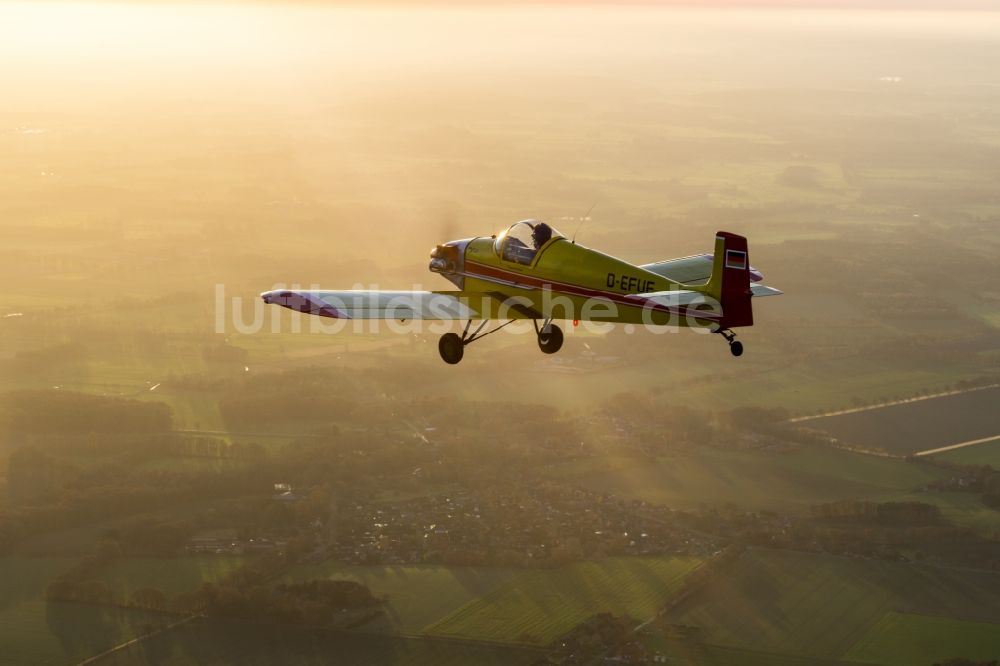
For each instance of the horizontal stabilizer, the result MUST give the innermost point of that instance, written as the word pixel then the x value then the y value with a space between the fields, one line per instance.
pixel 761 290
pixel 679 298
pixel 695 269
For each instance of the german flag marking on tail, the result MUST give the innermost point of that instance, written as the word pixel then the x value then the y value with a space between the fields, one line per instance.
pixel 736 259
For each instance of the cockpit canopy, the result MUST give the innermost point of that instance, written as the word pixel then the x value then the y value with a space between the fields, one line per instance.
pixel 521 241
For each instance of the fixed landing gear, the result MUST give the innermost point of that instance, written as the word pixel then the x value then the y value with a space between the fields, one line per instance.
pixel 550 337
pixel 735 346
pixel 451 346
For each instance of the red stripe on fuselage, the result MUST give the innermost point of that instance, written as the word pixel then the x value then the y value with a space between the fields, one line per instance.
pixel 494 274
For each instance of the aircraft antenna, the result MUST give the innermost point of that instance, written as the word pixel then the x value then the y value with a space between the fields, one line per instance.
pixel 583 221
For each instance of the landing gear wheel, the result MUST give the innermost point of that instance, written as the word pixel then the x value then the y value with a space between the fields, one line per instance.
pixel 735 346
pixel 451 348
pixel 550 339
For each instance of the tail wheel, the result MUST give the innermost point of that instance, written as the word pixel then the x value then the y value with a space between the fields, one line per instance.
pixel 550 339
pixel 451 348
pixel 735 346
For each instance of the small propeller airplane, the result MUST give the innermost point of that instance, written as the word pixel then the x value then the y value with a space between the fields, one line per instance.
pixel 531 271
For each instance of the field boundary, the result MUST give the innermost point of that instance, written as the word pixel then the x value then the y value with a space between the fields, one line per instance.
pixel 138 639
pixel 960 445
pixel 891 403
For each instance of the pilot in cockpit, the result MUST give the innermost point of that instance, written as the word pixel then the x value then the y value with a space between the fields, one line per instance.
pixel 541 234
pixel 523 240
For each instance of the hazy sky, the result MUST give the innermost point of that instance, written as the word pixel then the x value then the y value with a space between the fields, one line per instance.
pixel 947 5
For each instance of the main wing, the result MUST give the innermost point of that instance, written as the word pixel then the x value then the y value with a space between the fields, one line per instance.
pixel 399 305
pixel 455 305
pixel 695 269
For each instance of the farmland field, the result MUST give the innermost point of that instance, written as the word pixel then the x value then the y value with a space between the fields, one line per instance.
pixel 690 653
pixel 417 596
pixel 919 426
pixel 193 465
pixel 224 643
pixel 33 631
pixel 171 575
pixel 82 540
pixel 539 606
pixel 963 509
pixel 802 387
pixel 791 481
pixel 901 639
pixel 820 605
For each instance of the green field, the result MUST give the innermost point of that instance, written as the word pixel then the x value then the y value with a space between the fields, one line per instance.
pixel 689 653
pixel 64 633
pixel 901 639
pixel 417 596
pixel 963 509
pixel 815 605
pixel 83 539
pixel 33 631
pixel 193 465
pixel 193 410
pixel 223 643
pixel 539 606
pixel 787 482
pixel 79 541
pixel 170 575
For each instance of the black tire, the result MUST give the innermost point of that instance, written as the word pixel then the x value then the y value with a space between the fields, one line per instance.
pixel 736 348
pixel 550 340
pixel 451 348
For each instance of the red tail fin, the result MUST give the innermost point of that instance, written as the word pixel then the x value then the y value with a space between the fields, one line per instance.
pixel 730 281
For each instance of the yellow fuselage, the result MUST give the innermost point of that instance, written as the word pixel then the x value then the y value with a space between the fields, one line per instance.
pixel 566 281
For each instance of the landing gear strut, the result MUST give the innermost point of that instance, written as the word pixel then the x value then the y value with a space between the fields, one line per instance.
pixel 452 347
pixel 735 346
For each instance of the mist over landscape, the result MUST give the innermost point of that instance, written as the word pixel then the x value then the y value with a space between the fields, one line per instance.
pixel 183 465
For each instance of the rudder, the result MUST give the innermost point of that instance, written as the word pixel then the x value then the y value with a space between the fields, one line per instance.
pixel 730 281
